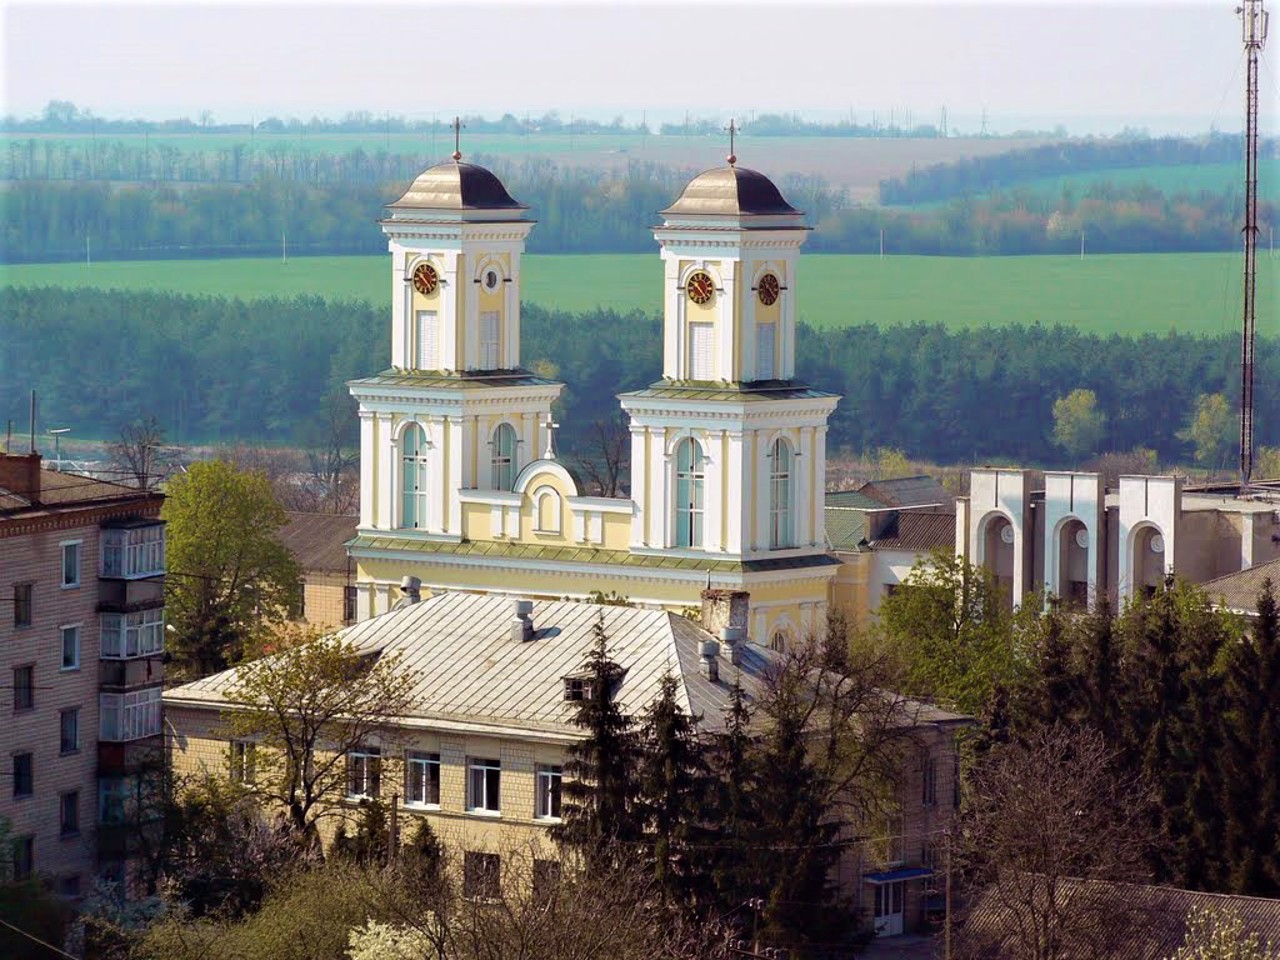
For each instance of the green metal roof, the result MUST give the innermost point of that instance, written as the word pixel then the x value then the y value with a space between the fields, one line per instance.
pixel 846 527
pixel 852 498
pixel 726 391
pixel 617 558
pixel 467 380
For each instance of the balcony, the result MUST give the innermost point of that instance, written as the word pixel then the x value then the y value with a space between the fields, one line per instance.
pixel 120 675
pixel 123 595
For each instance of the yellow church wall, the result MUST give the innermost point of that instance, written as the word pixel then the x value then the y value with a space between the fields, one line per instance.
pixel 616 531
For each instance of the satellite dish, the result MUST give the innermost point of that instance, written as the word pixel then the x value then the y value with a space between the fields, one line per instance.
pixel 1082 538
pixel 1157 544
pixel 1006 533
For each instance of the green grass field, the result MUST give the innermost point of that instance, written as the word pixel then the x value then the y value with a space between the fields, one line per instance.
pixel 1139 293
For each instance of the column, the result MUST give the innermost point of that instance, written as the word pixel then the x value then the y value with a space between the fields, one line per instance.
pixel 713 503
pixel 819 488
pixel 639 484
pixel 803 500
pixel 672 319
pixel 455 450
pixel 735 506
pixel 726 362
pixel 387 476
pixel 368 469
pixel 450 297
pixel 760 489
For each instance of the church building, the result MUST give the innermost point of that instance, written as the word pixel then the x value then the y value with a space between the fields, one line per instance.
pixel 460 482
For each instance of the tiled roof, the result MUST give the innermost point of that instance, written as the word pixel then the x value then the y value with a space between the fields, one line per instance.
pixel 1124 920
pixel 318 541
pixel 472 673
pixel 846 527
pixel 919 531
pixel 66 490
pixel 907 492
pixel 1239 591
pixel 591 555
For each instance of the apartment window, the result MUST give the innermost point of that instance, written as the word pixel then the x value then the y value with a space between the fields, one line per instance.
pixel 241 758
pixel 24 777
pixel 24 688
pixel 349 595
pixel 929 782
pixel 546 879
pixel 483 777
pixel 364 772
pixel 137 552
pixel 22 604
pixel 24 857
pixel 481 875
pixel 69 813
pixel 70 647
pixel 298 601
pixel 113 793
pixel 71 564
pixel 129 716
pixel 127 635
pixel 422 779
pixel 69 886
pixel 490 355
pixel 69 730
pixel 547 800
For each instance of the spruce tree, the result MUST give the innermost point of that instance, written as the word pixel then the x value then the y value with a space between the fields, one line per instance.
pixel 600 816
pixel 737 873
pixel 673 784
pixel 1250 757
pixel 1100 672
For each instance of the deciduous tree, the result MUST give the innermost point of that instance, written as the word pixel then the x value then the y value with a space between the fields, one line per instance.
pixel 1078 424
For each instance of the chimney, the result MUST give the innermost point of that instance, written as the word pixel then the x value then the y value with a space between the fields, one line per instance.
pixel 724 608
pixel 522 625
pixel 411 587
pixel 20 474
pixel 734 638
pixel 709 666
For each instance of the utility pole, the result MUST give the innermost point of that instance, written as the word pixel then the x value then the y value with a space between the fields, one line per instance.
pixel 1253 19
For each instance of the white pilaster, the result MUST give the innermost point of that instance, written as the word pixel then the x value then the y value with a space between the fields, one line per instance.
pixel 735 507
pixel 712 488
pixel 456 451
pixel 803 493
pixel 819 487
pixel 639 484
pixel 368 468
pixel 450 293
pixel 725 340
pixel 388 476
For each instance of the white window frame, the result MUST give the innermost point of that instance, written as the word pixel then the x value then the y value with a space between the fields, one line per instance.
pixel 490 352
pixel 781 495
pixel 484 786
pixel 123 717
pixel 71 630
pixel 364 771
pixel 242 757
pixel 415 466
pixel 547 793
pixel 127 636
pixel 135 552
pixel 421 775
pixel 502 458
pixel 64 547
pixel 689 522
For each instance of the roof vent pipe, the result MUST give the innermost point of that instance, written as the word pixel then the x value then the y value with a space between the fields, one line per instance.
pixel 709 665
pixel 411 587
pixel 522 627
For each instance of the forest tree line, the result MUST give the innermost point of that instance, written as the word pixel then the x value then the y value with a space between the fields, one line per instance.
pixel 582 210
pixel 214 369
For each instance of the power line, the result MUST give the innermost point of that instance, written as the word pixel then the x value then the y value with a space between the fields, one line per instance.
pixel 30 936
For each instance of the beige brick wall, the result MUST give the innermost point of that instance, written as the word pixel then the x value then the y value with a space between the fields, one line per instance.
pixel 322 600
pixel 37 558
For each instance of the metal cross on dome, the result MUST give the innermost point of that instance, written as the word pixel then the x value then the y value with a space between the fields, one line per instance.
pixel 733 129
pixel 457 137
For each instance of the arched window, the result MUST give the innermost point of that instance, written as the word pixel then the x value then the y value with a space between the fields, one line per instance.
pixel 413 452
pixel 546 510
pixel 689 493
pixel 504 456
pixel 781 528
pixel 778 642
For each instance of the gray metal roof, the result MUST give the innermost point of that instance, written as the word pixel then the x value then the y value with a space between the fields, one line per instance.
pixel 472 670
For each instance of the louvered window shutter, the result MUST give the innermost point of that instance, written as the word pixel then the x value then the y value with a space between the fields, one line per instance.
pixel 428 340
pixel 765 347
pixel 701 351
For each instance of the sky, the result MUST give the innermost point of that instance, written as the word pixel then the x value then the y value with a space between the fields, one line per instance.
pixel 1176 66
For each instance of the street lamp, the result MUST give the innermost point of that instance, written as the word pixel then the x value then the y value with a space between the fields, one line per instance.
pixel 57 446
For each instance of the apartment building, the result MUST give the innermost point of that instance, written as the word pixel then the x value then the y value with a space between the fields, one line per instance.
pixel 82 566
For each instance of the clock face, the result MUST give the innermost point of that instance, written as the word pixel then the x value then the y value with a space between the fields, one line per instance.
pixel 425 279
pixel 767 289
pixel 700 287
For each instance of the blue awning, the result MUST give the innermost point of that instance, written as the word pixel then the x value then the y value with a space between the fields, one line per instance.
pixel 893 876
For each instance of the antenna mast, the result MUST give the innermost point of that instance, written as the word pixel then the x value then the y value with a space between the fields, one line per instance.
pixel 1253 21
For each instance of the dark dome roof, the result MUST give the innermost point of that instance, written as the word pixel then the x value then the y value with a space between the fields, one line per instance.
pixel 454 185
pixel 731 191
